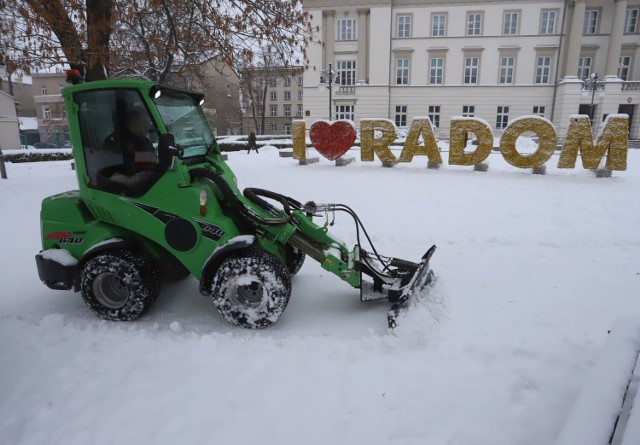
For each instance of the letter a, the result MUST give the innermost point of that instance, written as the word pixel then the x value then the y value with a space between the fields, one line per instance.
pixel 421 126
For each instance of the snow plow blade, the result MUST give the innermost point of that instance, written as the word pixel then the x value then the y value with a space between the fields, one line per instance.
pixel 420 279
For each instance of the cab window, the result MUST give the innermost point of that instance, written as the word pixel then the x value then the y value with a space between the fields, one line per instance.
pixel 119 141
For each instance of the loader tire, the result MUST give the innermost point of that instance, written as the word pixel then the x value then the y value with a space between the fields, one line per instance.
pixel 251 290
pixel 295 260
pixel 119 285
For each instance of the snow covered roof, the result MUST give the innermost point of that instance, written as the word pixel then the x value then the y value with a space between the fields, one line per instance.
pixel 28 123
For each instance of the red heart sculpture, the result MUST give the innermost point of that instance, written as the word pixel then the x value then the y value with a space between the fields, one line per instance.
pixel 332 140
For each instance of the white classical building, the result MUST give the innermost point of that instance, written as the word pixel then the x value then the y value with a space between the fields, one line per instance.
pixel 496 60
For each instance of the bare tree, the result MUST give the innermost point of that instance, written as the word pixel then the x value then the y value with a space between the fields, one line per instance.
pixel 57 124
pixel 149 38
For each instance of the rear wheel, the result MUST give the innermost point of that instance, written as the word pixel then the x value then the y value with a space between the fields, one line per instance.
pixel 119 285
pixel 251 290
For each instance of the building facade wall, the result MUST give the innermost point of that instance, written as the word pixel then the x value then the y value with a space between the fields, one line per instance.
pixel 9 130
pixel 221 86
pixel 49 107
pixel 284 95
pixel 527 68
pixel 23 94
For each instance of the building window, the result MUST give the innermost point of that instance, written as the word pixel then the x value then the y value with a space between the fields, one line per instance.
pixel 438 25
pixel 346 29
pixel 538 110
pixel 287 81
pixel 590 21
pixel 274 95
pixel 402 72
pixel 506 69
pixel 287 110
pixel 274 128
pixel 502 117
pixel 287 128
pixel 584 67
pixel 401 115
pixel 299 94
pixel 259 110
pixel 631 21
pixel 404 26
pixel 259 128
pixel 46 112
pixel 468 110
pixel 258 83
pixel 624 65
pixel 471 70
pixel 436 71
pixel 43 90
pixel 346 72
pixel 287 95
pixel 272 82
pixel 299 112
pixel 543 69
pixel 548 22
pixel 434 115
pixel 300 81
pixel 274 110
pixel 510 23
pixel 474 24
pixel 345 112
pixel 60 87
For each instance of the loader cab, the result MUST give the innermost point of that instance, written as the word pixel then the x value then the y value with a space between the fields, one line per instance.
pixel 120 129
pixel 119 141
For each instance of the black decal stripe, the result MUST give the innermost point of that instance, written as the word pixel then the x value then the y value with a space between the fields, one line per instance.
pixel 146 208
pixel 164 217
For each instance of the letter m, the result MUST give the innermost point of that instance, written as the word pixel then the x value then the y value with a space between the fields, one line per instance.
pixel 612 141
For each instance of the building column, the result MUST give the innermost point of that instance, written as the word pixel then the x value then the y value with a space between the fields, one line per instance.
pixel 328 52
pixel 615 39
pixel 575 39
pixel 362 69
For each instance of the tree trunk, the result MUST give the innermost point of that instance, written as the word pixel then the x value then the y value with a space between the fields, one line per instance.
pixel 99 21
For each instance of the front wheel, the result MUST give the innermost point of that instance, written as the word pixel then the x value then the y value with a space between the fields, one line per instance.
pixel 119 285
pixel 251 290
pixel 295 260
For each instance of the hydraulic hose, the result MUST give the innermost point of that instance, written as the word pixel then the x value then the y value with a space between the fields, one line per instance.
pixel 232 199
pixel 254 195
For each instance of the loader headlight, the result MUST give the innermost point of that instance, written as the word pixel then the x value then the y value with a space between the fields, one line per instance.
pixel 203 202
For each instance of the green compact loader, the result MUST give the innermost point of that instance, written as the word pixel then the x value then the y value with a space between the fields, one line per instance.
pixel 156 202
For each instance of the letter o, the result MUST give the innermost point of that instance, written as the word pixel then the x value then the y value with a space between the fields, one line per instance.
pixel 548 140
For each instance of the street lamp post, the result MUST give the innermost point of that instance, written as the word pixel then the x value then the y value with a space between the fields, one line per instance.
pixel 592 84
pixel 333 85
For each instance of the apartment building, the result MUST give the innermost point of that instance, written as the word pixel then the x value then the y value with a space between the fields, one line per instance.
pixel 495 60
pixel 49 107
pixel 271 98
pixel 221 86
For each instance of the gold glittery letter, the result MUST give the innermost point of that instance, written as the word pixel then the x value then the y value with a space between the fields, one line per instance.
pixel 460 126
pixel 369 143
pixel 611 140
pixel 298 132
pixel 421 126
pixel 546 135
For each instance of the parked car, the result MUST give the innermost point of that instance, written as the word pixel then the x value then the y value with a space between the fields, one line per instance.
pixel 44 145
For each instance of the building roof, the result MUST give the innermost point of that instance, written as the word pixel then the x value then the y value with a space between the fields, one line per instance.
pixel 28 123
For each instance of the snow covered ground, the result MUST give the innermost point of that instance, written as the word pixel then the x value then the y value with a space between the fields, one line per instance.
pixel 532 271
